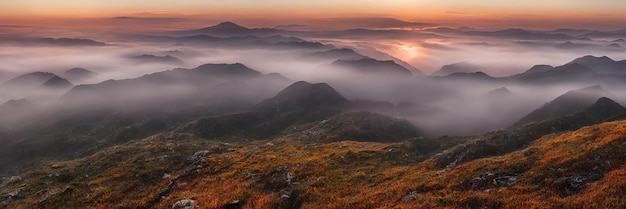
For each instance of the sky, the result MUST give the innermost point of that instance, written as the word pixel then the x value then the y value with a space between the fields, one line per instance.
pixel 596 11
pixel 71 7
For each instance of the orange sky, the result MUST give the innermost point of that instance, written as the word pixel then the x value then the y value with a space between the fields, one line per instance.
pixel 477 13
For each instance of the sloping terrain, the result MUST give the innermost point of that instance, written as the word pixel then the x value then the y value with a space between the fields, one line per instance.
pixel 579 169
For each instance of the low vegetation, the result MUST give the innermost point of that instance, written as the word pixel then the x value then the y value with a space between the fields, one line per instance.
pixel 578 169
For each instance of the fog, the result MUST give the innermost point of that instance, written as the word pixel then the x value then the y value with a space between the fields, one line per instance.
pixel 436 105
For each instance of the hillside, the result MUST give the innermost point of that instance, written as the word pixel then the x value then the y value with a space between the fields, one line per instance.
pixel 556 171
pixel 568 103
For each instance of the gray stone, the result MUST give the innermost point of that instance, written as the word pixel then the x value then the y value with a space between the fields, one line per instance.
pixel 184 204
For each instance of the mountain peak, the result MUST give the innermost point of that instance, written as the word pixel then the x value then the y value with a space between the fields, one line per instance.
pixel 459 67
pixel 303 93
pixel 568 103
pixel 592 60
pixel 16 103
pixel 539 69
pixel 228 24
pixel 595 89
pixel 79 71
pixel 34 78
pixel 225 28
pixel 236 69
pixel 499 91
pixel 57 82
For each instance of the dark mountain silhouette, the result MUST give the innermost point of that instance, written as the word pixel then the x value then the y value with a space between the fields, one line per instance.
pixel 591 60
pixel 355 126
pixel 301 102
pixel 572 72
pixel 614 45
pixel 12 111
pixel 301 94
pixel 227 29
pixel 571 32
pixel 226 70
pixel 148 58
pixel 57 82
pixel 248 41
pixel 602 65
pixel 229 86
pixel 63 42
pixel 372 66
pixel 526 35
pixel 475 76
pixel 30 80
pixel 535 71
pixel 573 45
pixel 566 104
pixel 12 105
pixel 301 105
pixel 606 34
pixel 92 116
pixel 461 67
pixel 379 55
pixel 620 40
pixel 517 137
pixel 79 74
pixel 374 22
pixel 502 91
pixel 513 33
pixel 278 39
pixel 71 42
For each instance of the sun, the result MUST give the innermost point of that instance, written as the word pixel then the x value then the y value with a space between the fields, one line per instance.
pixel 409 50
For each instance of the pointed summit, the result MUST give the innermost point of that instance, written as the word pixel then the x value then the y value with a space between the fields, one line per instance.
pixel 568 103
pixel 225 28
pixel 228 24
pixel 602 65
pixel 461 67
pixel 234 70
pixel 502 91
pixel 57 82
pixel 302 93
pixel 603 109
pixel 30 78
pixel 591 60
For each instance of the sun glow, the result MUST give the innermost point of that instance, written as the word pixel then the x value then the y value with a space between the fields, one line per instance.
pixel 410 51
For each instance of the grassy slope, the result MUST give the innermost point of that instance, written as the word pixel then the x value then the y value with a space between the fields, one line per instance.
pixel 579 169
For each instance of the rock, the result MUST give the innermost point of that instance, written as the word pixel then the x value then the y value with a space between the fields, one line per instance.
pixel 13 180
pixel 253 174
pixel 282 170
pixel 285 194
pixel 13 194
pixel 488 180
pixel 251 151
pixel 235 204
pixel 289 177
pixel 409 197
pixel 199 154
pixel 505 180
pixel 183 204
pixel 166 176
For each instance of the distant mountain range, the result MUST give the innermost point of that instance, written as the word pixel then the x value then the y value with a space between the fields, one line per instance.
pixel 64 42
pixel 566 104
pixel 372 66
pixel 588 69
